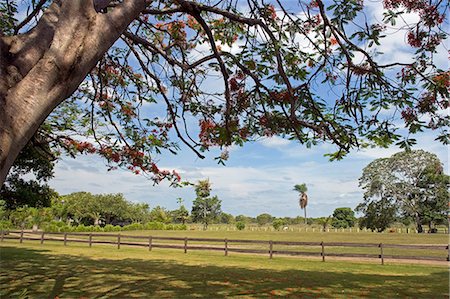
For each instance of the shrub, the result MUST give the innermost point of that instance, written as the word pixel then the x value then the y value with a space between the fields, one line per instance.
pixel 240 225
pixel 108 228
pixel 154 225
pixel 277 223
pixel 5 225
pixel 133 226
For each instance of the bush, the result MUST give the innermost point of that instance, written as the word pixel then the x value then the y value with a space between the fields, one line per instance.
pixel 5 225
pixel 154 225
pixel 133 226
pixel 240 225
pixel 111 228
pixel 277 223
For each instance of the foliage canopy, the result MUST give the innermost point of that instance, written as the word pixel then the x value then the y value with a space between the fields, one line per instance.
pixel 129 83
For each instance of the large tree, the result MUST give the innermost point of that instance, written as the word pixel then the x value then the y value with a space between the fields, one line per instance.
pixel 411 181
pixel 94 73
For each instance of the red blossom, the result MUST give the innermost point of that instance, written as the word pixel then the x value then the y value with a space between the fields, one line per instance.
pixel 271 11
pixel 206 128
pixel 234 85
pixel 177 175
pixel 409 115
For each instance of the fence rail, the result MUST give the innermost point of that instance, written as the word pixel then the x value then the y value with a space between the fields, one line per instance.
pixel 148 241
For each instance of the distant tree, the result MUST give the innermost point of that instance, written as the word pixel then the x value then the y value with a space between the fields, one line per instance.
pixel 20 217
pixel 138 212
pixel 160 214
pixel 324 222
pixel 180 215
pixel 59 209
pixel 343 218
pixel 205 209
pixel 38 216
pixel 88 208
pixel 434 209
pixel 413 181
pixel 264 219
pixel 378 215
pixel 242 218
pixel 240 225
pixel 226 218
pixel 113 207
pixel 303 200
pixel 278 223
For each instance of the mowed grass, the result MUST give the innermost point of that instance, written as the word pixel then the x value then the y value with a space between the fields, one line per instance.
pixel 103 271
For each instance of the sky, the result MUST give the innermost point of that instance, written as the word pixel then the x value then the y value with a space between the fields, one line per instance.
pixel 258 177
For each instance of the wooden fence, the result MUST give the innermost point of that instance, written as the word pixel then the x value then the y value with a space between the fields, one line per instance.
pixel 149 242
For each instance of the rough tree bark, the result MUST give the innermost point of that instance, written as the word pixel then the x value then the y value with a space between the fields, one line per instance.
pixel 41 68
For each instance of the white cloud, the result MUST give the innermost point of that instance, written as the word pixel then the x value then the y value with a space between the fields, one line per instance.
pixel 274 142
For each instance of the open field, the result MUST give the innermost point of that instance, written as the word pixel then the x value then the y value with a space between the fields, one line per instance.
pixel 313 237
pixel 76 271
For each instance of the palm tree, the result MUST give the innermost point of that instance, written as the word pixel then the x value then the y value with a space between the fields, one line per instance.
pixel 303 200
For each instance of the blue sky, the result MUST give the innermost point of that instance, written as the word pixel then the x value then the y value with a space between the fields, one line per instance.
pixel 259 176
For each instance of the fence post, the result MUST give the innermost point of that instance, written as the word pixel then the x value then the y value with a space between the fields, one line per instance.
pixel 185 244
pixel 90 239
pixel 118 241
pixel 42 238
pixel 323 251
pixel 21 236
pixel 150 243
pixel 226 247
pixel 3 234
pixel 65 239
pixel 270 248
pixel 381 255
pixel 448 253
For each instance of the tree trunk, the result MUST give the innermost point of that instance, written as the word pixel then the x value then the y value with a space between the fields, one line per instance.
pixel 41 68
pixel 306 220
pixel 418 224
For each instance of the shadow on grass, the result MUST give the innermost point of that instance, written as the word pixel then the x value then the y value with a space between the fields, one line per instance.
pixel 47 276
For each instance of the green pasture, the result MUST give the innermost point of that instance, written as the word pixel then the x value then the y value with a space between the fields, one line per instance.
pixel 103 271
pixel 361 237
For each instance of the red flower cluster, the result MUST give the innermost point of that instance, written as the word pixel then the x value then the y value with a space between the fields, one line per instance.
pixel 409 115
pixel 271 12
pixel 442 80
pixel 281 97
pixel 206 129
pixel 81 147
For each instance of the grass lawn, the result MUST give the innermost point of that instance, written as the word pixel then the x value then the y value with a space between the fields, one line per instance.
pixel 74 271
pixel 354 237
